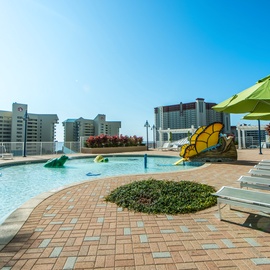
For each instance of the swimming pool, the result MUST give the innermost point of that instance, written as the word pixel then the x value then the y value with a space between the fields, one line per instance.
pixel 22 182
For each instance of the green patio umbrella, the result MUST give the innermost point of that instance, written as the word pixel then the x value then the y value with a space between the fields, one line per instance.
pixel 257 116
pixel 255 99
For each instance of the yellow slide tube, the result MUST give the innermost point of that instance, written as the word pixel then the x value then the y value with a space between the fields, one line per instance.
pixel 179 161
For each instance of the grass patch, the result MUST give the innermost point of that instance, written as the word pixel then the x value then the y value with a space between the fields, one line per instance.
pixel 163 197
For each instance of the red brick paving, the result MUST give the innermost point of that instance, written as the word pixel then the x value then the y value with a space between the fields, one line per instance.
pixel 76 229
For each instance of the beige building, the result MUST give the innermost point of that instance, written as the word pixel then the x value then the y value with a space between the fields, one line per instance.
pixel 40 128
pixel 5 126
pixel 76 128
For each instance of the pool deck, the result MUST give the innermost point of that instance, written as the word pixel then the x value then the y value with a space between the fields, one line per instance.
pixel 73 228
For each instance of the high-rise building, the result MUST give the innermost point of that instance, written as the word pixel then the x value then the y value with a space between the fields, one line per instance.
pixel 40 127
pixel 185 115
pixel 5 126
pixel 76 128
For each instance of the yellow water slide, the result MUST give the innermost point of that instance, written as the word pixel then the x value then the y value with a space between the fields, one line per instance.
pixel 205 138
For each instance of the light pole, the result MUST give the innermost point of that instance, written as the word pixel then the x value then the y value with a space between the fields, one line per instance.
pixel 25 118
pixel 154 136
pixel 146 125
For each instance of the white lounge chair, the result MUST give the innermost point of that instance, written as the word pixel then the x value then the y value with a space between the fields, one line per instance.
pixel 175 147
pixel 243 198
pixel 166 146
pixel 261 173
pixel 254 182
pixel 4 154
pixel 262 166
pixel 265 161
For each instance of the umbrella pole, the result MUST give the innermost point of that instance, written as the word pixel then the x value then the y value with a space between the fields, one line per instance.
pixel 259 125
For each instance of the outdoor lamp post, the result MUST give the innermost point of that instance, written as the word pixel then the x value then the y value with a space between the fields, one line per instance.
pixel 146 125
pixel 25 118
pixel 154 136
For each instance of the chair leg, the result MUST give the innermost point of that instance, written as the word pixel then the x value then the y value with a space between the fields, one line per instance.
pixel 219 211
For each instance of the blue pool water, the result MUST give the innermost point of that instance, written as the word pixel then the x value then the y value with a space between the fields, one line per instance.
pixel 22 182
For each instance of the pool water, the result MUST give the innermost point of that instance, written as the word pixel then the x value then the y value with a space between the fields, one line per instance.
pixel 22 182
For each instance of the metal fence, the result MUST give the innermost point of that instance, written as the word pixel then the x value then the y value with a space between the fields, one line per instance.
pixel 50 148
pixel 253 142
pixel 41 148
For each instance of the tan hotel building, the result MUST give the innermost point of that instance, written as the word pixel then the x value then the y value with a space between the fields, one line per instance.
pixel 40 127
pixel 74 129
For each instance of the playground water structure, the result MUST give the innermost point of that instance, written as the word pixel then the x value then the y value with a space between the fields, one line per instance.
pixel 20 183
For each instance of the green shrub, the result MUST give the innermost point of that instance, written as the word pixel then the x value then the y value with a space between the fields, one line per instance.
pixel 112 141
pixel 163 197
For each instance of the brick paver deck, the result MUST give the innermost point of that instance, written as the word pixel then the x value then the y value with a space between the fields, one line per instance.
pixel 75 229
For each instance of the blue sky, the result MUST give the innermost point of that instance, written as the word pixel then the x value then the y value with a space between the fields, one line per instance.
pixel 123 58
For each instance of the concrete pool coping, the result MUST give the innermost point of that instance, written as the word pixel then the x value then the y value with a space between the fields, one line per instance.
pixel 17 218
